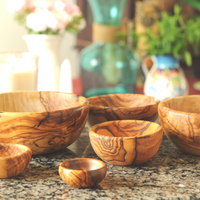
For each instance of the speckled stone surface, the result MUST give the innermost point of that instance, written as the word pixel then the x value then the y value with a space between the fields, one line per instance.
pixel 170 174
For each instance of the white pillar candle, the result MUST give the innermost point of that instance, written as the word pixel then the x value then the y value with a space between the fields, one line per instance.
pixel 22 79
pixel 4 76
pixel 21 73
pixel 66 77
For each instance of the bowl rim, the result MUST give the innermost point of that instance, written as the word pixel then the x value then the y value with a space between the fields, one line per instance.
pixel 91 131
pixel 89 170
pixel 161 106
pixel 86 103
pixel 157 101
pixel 19 154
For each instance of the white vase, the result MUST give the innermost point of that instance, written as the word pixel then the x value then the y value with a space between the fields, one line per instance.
pixel 48 48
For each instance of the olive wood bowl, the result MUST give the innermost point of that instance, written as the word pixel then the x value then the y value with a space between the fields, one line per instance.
pixel 14 159
pixel 44 121
pixel 126 142
pixel 82 172
pixel 121 107
pixel 180 119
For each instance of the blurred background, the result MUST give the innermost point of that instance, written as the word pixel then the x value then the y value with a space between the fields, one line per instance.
pixel 138 16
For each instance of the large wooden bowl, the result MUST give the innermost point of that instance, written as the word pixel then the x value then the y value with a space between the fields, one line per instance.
pixel 44 121
pixel 14 159
pixel 82 172
pixel 121 107
pixel 126 142
pixel 180 119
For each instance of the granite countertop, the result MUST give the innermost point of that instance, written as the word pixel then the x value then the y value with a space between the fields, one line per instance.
pixel 170 174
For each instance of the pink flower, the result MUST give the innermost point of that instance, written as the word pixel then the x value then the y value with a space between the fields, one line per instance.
pixel 16 6
pixel 69 7
pixel 60 18
pixel 57 20
pixel 43 17
pixel 38 6
pixel 46 17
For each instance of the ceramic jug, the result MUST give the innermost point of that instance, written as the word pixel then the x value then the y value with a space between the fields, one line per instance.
pixel 165 79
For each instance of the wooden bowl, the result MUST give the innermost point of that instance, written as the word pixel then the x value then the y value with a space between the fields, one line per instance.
pixel 44 121
pixel 180 119
pixel 14 159
pixel 126 142
pixel 122 106
pixel 82 172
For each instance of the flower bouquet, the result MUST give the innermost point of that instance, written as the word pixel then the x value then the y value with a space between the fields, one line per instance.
pixel 42 17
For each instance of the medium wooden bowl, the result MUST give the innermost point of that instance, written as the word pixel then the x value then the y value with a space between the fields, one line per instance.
pixel 14 159
pixel 44 121
pixel 126 142
pixel 180 119
pixel 122 106
pixel 82 172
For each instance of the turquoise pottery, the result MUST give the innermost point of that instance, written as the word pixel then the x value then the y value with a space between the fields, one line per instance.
pixel 108 67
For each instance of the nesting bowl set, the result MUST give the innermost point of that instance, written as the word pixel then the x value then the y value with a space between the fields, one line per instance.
pixel 120 133
pixel 122 130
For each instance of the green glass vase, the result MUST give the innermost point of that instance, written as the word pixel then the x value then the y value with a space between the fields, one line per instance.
pixel 107 67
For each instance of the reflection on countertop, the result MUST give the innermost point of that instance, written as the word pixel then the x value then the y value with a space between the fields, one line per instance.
pixel 170 174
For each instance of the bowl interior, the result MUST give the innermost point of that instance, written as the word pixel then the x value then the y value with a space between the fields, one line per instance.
pixel 189 104
pixel 83 164
pixel 9 150
pixel 126 128
pixel 35 101
pixel 122 100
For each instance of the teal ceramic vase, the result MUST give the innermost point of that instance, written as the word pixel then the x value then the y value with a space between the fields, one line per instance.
pixel 107 67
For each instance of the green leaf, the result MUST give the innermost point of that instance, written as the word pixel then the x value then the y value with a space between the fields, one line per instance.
pixel 122 37
pixel 21 17
pixel 177 49
pixel 174 35
pixel 177 9
pixel 73 25
pixel 194 3
pixel 188 58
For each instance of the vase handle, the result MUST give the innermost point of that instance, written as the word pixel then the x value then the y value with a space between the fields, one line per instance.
pixel 147 63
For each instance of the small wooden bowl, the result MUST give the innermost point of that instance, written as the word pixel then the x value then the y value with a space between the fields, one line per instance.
pixel 180 119
pixel 82 172
pixel 44 121
pixel 126 142
pixel 121 107
pixel 14 159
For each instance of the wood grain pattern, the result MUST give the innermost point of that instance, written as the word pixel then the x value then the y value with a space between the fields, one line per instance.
pixel 82 172
pixel 126 142
pixel 180 119
pixel 13 159
pixel 44 121
pixel 122 106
